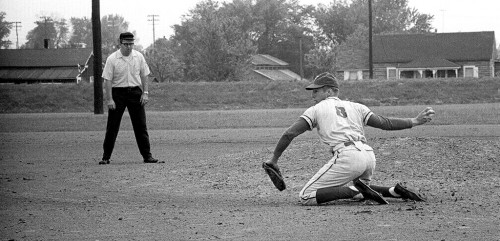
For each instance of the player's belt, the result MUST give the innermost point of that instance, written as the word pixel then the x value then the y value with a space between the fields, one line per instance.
pixel 342 145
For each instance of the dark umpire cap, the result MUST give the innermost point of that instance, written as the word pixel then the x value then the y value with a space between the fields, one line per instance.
pixel 322 80
pixel 126 36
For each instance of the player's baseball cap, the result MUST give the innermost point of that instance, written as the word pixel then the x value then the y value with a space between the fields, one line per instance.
pixel 126 36
pixel 324 79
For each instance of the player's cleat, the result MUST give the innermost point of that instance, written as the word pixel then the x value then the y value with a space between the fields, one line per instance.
pixel 152 160
pixel 104 162
pixel 369 193
pixel 407 193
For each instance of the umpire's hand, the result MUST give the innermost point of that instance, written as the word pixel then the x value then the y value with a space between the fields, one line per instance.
pixel 144 99
pixel 111 104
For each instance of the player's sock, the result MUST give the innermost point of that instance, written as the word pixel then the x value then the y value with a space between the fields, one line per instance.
pixel 385 191
pixel 328 194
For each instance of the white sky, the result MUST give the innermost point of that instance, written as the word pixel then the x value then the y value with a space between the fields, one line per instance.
pixel 449 15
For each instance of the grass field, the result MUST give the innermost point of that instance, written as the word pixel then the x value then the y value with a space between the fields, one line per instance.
pixel 59 98
pixel 465 114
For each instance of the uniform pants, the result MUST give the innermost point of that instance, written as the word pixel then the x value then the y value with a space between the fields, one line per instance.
pixel 348 163
pixel 130 98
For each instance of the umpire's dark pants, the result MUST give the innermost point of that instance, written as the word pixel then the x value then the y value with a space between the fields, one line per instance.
pixel 130 98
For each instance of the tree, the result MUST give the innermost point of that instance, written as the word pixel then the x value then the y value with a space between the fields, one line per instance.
pixel 164 65
pixel 270 15
pixel 211 43
pixel 340 19
pixel 395 16
pixel 44 30
pixel 283 28
pixel 111 27
pixel 62 31
pixel 320 59
pixel 53 29
pixel 82 32
pixel 335 22
pixel 5 28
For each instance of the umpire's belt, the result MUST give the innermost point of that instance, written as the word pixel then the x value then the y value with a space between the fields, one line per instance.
pixel 127 88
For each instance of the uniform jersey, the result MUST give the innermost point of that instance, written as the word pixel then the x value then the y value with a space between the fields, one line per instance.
pixel 338 121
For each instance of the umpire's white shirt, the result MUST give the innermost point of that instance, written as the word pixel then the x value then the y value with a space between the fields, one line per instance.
pixel 125 71
pixel 338 121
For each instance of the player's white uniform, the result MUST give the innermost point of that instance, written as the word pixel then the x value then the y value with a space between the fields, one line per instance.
pixel 340 124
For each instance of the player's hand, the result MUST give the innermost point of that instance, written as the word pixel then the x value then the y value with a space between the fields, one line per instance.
pixel 111 104
pixel 144 99
pixel 273 163
pixel 274 173
pixel 424 116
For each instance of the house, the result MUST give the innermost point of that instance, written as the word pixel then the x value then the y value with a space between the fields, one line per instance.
pixel 428 55
pixel 266 67
pixel 42 65
pixel 87 70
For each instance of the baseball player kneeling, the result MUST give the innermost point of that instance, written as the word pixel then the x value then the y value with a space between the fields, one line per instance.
pixel 340 124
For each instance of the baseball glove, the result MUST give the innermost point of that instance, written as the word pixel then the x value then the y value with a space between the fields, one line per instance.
pixel 275 175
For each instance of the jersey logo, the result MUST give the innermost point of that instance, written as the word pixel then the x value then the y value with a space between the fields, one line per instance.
pixel 341 112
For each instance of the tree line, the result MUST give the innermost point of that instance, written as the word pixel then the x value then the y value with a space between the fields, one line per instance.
pixel 215 41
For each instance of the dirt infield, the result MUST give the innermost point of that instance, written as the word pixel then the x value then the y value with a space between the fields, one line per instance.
pixel 212 187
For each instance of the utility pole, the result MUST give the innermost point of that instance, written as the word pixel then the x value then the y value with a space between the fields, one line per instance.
pixel 300 58
pixel 442 22
pixel 370 38
pixel 113 30
pixel 17 35
pixel 153 19
pixel 96 38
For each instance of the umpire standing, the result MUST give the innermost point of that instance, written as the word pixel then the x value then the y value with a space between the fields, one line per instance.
pixel 125 75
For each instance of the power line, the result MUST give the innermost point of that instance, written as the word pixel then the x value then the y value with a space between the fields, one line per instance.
pixel 17 35
pixel 153 19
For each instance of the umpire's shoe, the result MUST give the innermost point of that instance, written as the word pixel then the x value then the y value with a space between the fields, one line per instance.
pixel 369 193
pixel 152 160
pixel 407 193
pixel 104 162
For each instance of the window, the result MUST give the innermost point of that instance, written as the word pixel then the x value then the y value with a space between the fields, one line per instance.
pixel 392 73
pixel 441 74
pixel 470 71
pixel 428 73
pixel 408 74
pixel 353 75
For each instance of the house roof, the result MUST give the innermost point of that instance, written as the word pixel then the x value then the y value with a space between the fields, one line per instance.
pixel 464 46
pixel 351 58
pixel 278 74
pixel 58 73
pixel 438 50
pixel 44 57
pixel 267 60
pixel 430 62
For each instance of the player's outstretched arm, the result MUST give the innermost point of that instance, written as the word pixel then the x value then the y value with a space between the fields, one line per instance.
pixel 271 166
pixel 391 123
pixel 299 127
